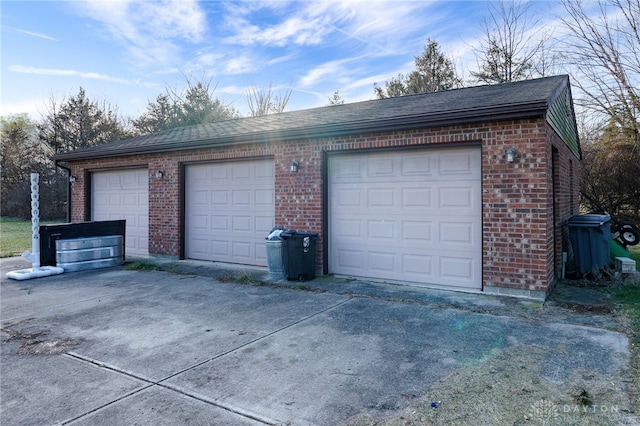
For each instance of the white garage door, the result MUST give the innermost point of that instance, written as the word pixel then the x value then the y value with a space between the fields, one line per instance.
pixel 229 211
pixel 412 216
pixel 124 194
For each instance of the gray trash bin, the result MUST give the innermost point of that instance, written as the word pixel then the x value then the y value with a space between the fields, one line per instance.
pixel 590 237
pixel 275 261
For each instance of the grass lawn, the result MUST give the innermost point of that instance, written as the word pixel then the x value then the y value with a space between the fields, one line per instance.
pixel 15 236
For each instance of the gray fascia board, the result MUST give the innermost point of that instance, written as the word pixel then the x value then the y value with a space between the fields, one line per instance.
pixel 444 119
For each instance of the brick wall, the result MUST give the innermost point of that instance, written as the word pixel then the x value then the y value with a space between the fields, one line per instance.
pixel 522 246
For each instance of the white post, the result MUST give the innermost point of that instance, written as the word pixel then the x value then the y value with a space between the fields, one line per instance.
pixel 35 220
pixel 34 257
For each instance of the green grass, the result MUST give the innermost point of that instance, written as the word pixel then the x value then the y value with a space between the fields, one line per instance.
pixel 240 278
pixel 142 265
pixel 15 236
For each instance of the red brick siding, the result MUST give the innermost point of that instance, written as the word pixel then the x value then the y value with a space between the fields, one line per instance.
pixel 518 229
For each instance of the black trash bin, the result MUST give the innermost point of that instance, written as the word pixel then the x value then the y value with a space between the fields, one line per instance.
pixel 299 253
pixel 590 237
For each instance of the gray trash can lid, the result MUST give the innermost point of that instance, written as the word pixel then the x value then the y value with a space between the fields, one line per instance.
pixel 594 220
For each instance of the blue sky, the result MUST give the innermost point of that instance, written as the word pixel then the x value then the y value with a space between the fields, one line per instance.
pixel 128 52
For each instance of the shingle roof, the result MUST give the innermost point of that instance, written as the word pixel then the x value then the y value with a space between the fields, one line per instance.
pixel 523 99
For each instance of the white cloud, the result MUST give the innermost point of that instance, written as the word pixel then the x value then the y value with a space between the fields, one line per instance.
pixel 297 30
pixel 331 69
pixel 66 73
pixel 240 65
pixel 210 59
pixel 31 33
pixel 149 30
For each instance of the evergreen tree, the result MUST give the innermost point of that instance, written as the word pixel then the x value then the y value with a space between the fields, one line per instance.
pixel 434 72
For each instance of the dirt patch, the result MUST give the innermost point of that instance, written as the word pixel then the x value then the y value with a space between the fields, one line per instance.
pixel 511 389
pixel 37 343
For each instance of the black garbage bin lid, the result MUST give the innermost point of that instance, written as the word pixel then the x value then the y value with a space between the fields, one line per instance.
pixel 295 234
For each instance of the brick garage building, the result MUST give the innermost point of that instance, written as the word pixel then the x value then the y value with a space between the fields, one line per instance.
pixel 414 189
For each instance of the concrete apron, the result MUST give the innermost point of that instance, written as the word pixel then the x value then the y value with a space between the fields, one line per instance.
pixel 161 348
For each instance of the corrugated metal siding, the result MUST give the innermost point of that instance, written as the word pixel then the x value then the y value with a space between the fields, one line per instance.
pixel 562 119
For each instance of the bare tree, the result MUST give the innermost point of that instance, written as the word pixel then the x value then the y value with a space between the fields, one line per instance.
pixel 605 50
pixel 508 51
pixel 263 102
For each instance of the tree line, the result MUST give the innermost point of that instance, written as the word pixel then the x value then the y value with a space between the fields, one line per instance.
pixel 602 52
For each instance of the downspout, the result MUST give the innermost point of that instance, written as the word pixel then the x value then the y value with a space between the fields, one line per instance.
pixel 59 164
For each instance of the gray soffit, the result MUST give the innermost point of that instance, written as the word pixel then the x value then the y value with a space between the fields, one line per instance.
pixel 519 100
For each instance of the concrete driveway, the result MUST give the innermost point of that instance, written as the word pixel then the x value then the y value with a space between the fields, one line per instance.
pixel 164 348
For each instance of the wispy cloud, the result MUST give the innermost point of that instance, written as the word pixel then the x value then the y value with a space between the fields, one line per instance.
pixel 329 70
pixel 30 33
pixel 240 65
pixel 149 30
pixel 66 73
pixel 385 26
pixel 295 30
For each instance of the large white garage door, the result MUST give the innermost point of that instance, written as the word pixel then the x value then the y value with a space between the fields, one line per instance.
pixel 229 211
pixel 412 216
pixel 124 194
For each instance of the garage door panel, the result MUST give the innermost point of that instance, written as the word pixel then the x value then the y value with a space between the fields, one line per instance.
pixel 263 225
pixel 347 169
pixel 413 197
pixel 348 228
pixel 200 222
pixel 417 165
pixel 380 167
pixel 241 251
pixel 240 208
pixel 419 231
pixel 218 173
pixel 380 198
pixel 264 197
pixel 455 197
pixel 458 269
pixel 114 200
pixel 218 223
pixel 353 259
pixel 242 197
pixel 241 224
pixel 347 197
pixel 241 172
pixel 381 230
pixel 264 170
pixel 218 198
pixel 456 233
pixel 124 194
pixel 417 266
pixel 457 164
pixel 261 252
pixel 421 212
pixel 218 248
pixel 382 261
pixel 130 200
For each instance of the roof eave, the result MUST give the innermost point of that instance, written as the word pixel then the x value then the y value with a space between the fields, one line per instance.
pixel 451 118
